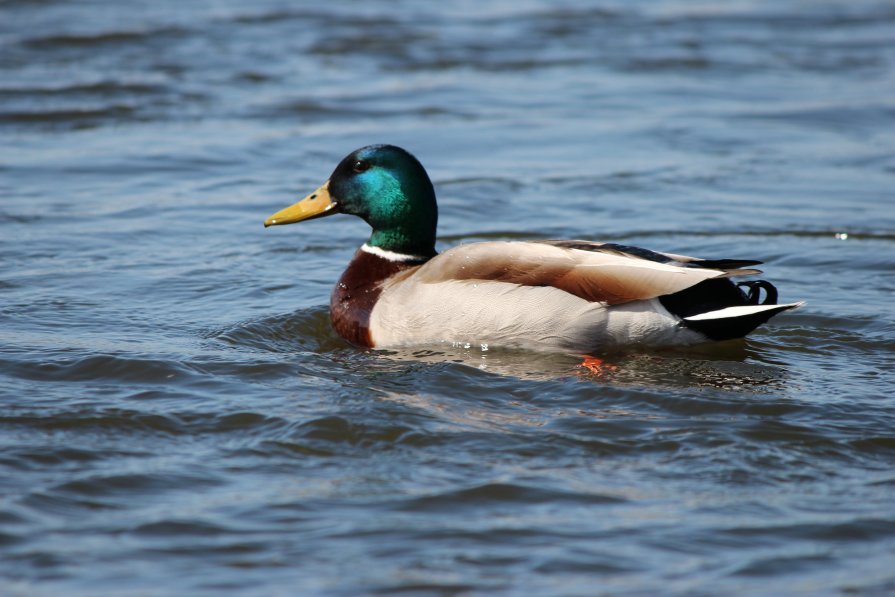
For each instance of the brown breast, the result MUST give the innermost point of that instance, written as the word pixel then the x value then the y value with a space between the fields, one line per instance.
pixel 356 292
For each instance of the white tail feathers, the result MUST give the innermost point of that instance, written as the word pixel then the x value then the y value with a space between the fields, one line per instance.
pixel 742 311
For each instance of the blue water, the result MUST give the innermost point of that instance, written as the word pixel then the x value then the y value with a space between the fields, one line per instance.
pixel 177 417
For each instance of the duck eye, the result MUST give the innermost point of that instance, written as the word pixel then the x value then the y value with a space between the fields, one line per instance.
pixel 361 166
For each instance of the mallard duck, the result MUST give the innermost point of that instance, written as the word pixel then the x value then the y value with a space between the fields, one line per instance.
pixel 557 295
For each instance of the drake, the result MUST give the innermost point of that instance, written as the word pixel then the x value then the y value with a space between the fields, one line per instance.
pixel 559 295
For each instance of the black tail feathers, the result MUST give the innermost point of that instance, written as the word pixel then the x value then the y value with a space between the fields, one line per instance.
pixel 753 294
pixel 720 293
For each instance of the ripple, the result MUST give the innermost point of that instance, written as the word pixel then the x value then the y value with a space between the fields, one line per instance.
pixel 339 430
pixel 875 445
pixel 277 16
pixel 668 64
pixel 79 116
pixel 726 370
pixel 102 39
pixel 503 495
pixel 389 46
pixel 112 420
pixel 305 330
pixel 104 367
pixel 854 530
pixel 10 539
pixel 357 108
pixel 181 528
pixel 102 88
pixel 46 457
pixel 861 120
pixel 780 564
pixel 68 505
pixel 104 491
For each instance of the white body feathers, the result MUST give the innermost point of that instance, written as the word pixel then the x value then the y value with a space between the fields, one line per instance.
pixel 539 296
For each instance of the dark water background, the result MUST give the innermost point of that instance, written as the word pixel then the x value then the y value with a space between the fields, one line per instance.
pixel 177 417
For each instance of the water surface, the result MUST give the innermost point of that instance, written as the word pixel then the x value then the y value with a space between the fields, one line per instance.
pixel 178 417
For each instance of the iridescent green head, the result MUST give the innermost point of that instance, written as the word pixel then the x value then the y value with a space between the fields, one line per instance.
pixel 387 187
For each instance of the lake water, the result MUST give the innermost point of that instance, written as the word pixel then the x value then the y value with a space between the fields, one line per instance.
pixel 178 417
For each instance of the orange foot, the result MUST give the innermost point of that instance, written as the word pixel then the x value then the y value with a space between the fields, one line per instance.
pixel 597 366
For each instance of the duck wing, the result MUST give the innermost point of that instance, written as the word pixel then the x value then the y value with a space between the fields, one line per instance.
pixel 733 267
pixel 607 273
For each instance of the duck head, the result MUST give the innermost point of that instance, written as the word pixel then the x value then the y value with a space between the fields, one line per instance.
pixel 385 186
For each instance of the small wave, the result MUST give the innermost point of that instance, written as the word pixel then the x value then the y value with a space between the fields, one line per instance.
pixel 312 108
pixel 105 367
pixel 305 330
pixel 861 120
pixel 502 494
pixel 127 484
pixel 253 76
pixel 88 40
pixel 128 422
pixel 721 367
pixel 68 505
pixel 336 429
pixel 278 16
pixel 486 65
pixel 667 64
pixel 852 530
pixel 875 445
pixel 114 420
pixel 330 435
pixel 45 457
pixel 77 116
pixel 188 528
pixel 99 88
pixel 760 232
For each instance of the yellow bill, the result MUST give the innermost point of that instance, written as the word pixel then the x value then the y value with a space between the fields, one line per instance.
pixel 315 205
